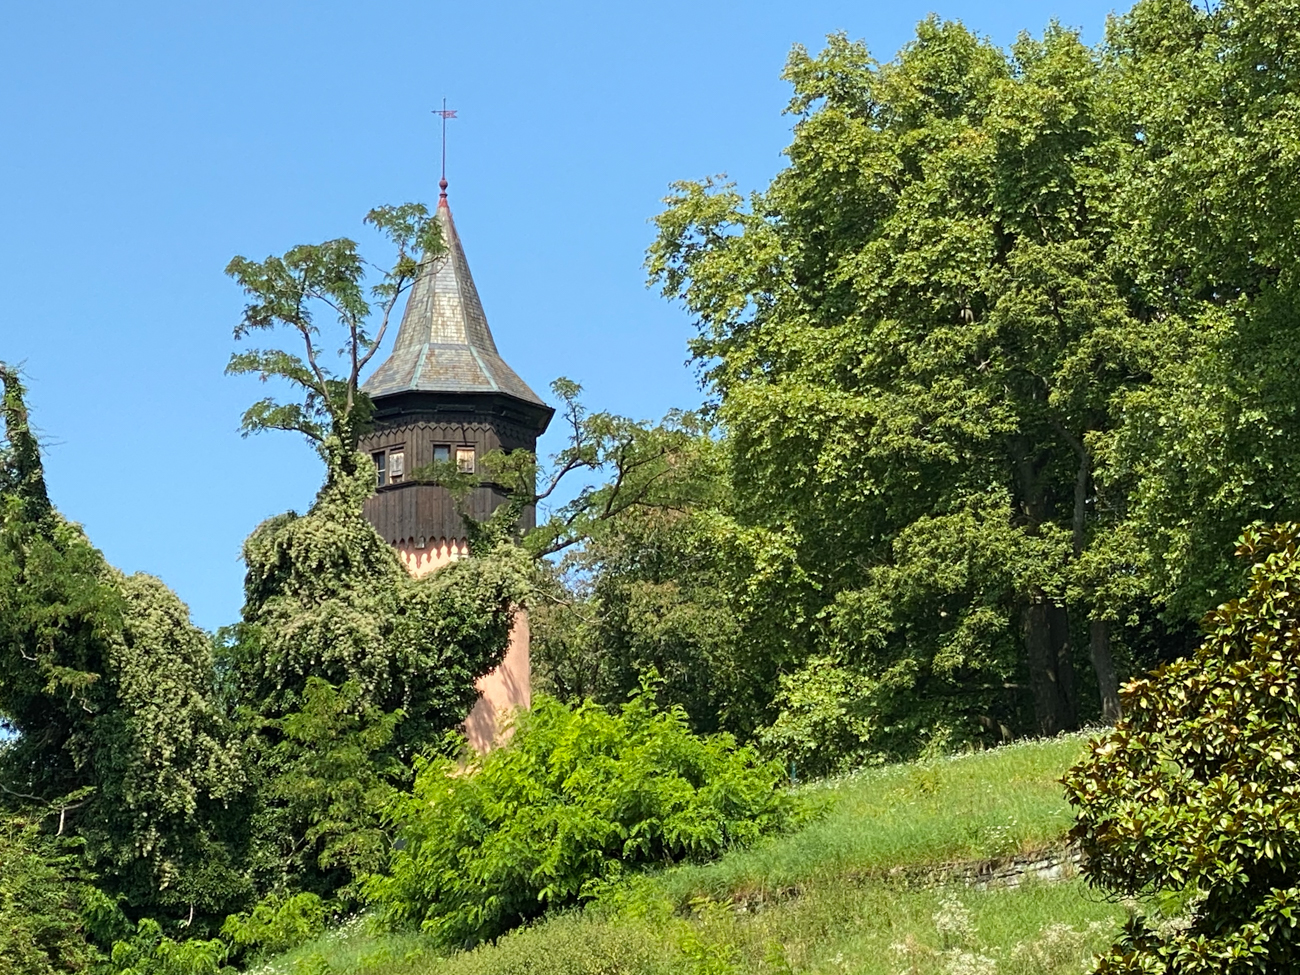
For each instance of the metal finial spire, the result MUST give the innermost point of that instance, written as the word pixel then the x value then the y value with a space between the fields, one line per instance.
pixel 446 113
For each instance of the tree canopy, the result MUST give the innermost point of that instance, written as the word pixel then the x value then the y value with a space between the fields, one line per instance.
pixel 985 354
pixel 288 291
pixel 915 335
pixel 107 687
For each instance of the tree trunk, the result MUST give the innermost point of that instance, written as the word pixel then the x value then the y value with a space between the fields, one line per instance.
pixel 1044 625
pixel 1104 665
pixel 1098 630
pixel 1051 673
pixel 1069 693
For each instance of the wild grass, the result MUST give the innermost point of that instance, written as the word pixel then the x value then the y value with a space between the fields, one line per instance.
pixel 964 807
pixel 821 900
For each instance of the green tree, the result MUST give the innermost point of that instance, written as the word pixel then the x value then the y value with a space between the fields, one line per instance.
pixel 1211 191
pixel 1193 794
pixel 326 597
pixel 290 290
pixel 916 335
pixel 108 688
pixel 344 666
pixel 42 900
pixel 655 574
pixel 337 770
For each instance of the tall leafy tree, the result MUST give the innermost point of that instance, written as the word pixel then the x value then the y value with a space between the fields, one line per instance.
pixel 344 666
pixel 1210 188
pixel 916 335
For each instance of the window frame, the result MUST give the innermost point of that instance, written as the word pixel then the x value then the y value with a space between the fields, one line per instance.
pixel 472 467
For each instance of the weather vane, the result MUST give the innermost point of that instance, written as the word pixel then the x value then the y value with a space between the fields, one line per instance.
pixel 445 113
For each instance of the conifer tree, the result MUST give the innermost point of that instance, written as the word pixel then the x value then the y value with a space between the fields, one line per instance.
pixel 109 691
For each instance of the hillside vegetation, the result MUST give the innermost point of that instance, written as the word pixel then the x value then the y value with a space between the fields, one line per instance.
pixel 999 372
pixel 827 897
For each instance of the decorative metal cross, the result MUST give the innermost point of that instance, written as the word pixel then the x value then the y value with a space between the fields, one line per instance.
pixel 445 113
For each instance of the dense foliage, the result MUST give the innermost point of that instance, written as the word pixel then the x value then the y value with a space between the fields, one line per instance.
pixel 193 783
pixel 575 798
pixel 1000 365
pixel 1211 192
pixel 916 335
pixel 108 689
pixel 658 574
pixel 1195 791
pixel 44 901
pixel 1003 358
pixel 345 666
pixel 326 597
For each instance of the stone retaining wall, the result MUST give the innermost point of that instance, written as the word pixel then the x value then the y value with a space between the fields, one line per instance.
pixel 1044 866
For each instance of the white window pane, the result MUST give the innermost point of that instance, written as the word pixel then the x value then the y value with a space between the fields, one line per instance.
pixel 465 459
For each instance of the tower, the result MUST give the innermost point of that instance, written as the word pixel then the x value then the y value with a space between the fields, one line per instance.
pixel 445 394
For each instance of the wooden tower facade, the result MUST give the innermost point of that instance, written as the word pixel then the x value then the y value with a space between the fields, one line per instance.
pixel 445 394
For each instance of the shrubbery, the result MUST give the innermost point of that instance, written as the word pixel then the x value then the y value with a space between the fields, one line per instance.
pixel 1196 791
pixel 42 927
pixel 576 797
pixel 277 923
pixel 150 952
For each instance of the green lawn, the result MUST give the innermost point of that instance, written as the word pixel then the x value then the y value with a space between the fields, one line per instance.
pixel 967 807
pixel 819 900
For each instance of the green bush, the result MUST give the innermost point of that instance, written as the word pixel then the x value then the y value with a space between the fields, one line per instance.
pixel 41 903
pixel 575 798
pixel 1195 794
pixel 150 952
pixel 277 923
pixel 826 722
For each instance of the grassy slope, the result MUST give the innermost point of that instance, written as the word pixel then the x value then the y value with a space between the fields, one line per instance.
pixel 818 900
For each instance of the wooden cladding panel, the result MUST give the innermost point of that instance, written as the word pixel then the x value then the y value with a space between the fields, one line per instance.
pixel 413 511
pixel 409 510
pixel 418 440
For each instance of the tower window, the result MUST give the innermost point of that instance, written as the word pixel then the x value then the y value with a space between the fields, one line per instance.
pixel 441 453
pixel 381 468
pixel 465 459
pixel 396 466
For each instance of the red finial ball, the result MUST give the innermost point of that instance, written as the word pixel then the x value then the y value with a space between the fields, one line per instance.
pixel 442 185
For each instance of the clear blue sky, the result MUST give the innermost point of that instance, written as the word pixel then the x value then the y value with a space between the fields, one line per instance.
pixel 145 143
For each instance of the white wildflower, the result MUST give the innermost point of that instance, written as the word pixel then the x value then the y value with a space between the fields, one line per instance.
pixel 958 962
pixel 954 923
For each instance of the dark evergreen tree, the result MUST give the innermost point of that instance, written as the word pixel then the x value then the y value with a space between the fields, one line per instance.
pixel 108 690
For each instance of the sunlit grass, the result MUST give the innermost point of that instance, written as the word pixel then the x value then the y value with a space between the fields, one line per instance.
pixel 819 900
pixel 966 807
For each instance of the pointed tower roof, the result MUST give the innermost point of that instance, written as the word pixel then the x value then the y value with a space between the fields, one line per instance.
pixel 444 344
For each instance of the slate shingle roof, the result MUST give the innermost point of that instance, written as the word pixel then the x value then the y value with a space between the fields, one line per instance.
pixel 444 344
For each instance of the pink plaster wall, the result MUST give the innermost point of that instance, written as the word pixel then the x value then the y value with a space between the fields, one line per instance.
pixel 501 691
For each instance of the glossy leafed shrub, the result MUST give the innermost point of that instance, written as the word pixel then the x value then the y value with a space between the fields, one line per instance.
pixel 1196 791
pixel 577 797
